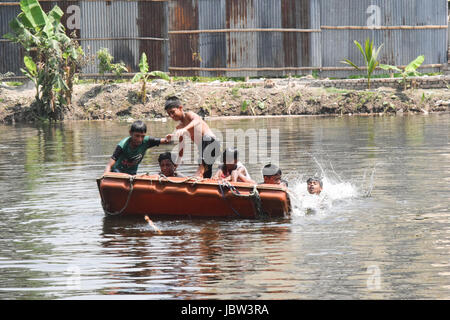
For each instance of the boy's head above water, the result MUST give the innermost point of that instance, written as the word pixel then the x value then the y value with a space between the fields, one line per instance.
pixel 314 185
pixel 271 174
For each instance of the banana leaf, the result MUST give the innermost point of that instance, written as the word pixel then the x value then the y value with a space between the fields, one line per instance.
pixel 137 77
pixel 389 67
pixel 160 74
pixel 416 63
pixel 143 65
pixel 30 65
pixel 32 15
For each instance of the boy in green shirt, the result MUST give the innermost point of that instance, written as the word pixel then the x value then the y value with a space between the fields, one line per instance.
pixel 131 150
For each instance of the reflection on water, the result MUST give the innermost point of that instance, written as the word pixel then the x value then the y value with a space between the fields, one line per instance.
pixel 380 229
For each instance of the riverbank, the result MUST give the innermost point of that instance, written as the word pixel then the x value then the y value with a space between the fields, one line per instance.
pixel 255 97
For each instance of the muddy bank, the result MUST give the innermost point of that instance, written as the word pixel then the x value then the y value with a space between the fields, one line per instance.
pixel 120 101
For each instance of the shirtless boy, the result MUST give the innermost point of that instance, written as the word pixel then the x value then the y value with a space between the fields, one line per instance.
pixel 200 133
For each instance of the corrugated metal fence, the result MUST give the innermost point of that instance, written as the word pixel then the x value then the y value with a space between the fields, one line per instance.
pixel 247 37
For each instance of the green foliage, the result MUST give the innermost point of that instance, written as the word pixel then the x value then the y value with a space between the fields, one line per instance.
pixel 106 65
pixel 51 57
pixel 6 75
pixel 144 76
pixel 370 54
pixel 409 70
pixel 244 105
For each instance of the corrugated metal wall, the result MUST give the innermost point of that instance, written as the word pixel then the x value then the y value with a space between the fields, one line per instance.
pixel 129 28
pixel 400 46
pixel 11 55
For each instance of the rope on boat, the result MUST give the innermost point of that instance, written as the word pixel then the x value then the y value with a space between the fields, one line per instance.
pixel 253 195
pixel 131 179
pixel 194 179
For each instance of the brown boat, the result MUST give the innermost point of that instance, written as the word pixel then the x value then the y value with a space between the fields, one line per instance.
pixel 156 195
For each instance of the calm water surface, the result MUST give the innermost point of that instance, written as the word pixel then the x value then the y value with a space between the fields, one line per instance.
pixel 383 233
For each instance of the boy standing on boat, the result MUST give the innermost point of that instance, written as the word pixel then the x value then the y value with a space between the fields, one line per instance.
pixel 130 151
pixel 199 132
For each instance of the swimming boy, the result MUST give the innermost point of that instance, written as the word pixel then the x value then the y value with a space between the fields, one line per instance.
pixel 232 169
pixel 272 175
pixel 314 185
pixel 200 133
pixel 167 165
pixel 131 150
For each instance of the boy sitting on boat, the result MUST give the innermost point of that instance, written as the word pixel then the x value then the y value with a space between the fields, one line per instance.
pixel 167 165
pixel 200 133
pixel 131 150
pixel 272 175
pixel 232 169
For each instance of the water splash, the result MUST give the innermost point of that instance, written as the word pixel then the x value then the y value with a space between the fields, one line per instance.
pixel 336 191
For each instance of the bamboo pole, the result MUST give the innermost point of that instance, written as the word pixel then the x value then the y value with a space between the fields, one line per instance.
pixel 18 3
pixel 244 69
pixel 242 30
pixel 286 68
pixel 383 27
pixel 97 39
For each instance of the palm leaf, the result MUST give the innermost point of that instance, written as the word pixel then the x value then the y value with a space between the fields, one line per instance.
pixel 346 61
pixel 360 49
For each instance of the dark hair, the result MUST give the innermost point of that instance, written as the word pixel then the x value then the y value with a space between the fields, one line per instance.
pixel 271 170
pixel 172 102
pixel 138 126
pixel 228 154
pixel 166 156
pixel 315 179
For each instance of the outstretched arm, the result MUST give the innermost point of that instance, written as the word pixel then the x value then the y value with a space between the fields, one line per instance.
pixel 194 120
pixel 109 166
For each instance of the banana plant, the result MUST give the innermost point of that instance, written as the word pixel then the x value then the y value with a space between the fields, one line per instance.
pixel 370 54
pixel 50 58
pixel 105 63
pixel 144 76
pixel 409 70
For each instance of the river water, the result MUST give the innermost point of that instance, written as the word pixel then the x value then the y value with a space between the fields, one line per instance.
pixel 380 230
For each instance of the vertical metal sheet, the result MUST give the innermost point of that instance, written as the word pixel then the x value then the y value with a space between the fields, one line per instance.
pixel 297 47
pixel 399 46
pixel 152 22
pixel 241 46
pixel 111 19
pixel 131 19
pixel 212 46
pixel 184 48
pixel 11 54
pixel 269 49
